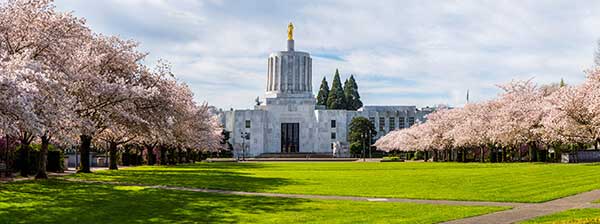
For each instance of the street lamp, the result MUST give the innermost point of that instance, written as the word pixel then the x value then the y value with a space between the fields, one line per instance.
pixel 369 145
pixel 364 136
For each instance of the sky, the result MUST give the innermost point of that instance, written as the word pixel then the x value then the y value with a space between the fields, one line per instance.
pixel 419 53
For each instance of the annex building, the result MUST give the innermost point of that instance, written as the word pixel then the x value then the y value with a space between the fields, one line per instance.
pixel 288 121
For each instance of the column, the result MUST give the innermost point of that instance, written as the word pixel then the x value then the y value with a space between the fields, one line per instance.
pixel 306 82
pixel 269 74
pixel 272 74
pixel 296 74
pixel 303 75
pixel 283 73
pixel 276 74
pixel 310 74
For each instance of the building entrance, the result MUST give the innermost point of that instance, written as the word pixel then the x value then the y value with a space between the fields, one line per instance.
pixel 290 140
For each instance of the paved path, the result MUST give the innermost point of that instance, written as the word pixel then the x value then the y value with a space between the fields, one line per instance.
pixel 308 196
pixel 521 213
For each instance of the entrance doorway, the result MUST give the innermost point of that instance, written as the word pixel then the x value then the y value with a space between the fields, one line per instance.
pixel 290 137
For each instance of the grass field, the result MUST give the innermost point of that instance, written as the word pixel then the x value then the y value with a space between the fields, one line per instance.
pixel 514 182
pixel 56 201
pixel 575 216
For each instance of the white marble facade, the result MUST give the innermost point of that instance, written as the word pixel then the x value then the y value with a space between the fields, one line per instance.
pixel 289 104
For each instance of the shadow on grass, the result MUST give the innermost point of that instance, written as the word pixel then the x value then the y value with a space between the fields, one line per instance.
pixel 200 175
pixel 56 201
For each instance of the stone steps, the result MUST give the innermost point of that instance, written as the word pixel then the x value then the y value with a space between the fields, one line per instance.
pixel 295 155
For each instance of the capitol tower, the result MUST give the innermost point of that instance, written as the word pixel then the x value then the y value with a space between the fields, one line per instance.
pixel 289 73
pixel 288 123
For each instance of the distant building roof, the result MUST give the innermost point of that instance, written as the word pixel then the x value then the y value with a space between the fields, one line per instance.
pixel 387 108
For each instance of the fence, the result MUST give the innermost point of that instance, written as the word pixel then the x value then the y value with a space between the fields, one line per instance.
pixel 587 156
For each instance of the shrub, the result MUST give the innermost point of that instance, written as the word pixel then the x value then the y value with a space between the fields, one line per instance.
pixel 55 159
pixel 392 159
pixel 356 149
pixel 418 155
pixel 126 158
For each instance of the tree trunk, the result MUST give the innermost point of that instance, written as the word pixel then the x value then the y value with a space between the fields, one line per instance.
pixel 24 154
pixel 533 152
pixel 43 160
pixel 163 155
pixel 126 156
pixel 179 155
pixel 481 155
pixel 173 155
pixel 544 156
pixel 186 155
pixel 84 150
pixel 112 153
pixel 138 155
pixel 150 154
pixel 4 157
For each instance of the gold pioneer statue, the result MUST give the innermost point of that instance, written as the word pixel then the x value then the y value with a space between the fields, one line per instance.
pixel 290 31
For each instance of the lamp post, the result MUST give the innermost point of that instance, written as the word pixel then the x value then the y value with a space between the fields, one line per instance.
pixel 364 136
pixel 369 145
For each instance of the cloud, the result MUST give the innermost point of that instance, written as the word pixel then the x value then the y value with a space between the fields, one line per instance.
pixel 401 52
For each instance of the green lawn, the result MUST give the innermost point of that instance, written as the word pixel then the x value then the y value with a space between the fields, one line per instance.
pixel 590 215
pixel 57 201
pixel 514 182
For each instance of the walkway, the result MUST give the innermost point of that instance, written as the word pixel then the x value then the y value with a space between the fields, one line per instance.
pixel 521 213
pixel 308 196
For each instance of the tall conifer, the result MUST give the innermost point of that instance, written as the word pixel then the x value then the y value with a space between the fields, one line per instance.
pixel 323 93
pixel 336 99
pixel 351 94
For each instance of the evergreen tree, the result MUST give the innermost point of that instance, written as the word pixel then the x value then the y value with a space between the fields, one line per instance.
pixel 351 94
pixel 358 135
pixel 323 93
pixel 336 99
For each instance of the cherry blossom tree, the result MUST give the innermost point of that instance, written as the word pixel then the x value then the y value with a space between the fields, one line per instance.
pixel 574 114
pixel 519 116
pixel 39 40
pixel 474 131
pixel 59 80
pixel 17 115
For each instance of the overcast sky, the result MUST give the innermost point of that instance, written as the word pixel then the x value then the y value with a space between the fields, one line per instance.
pixel 401 52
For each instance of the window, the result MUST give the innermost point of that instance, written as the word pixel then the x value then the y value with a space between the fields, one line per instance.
pixel 411 121
pixel 372 120
pixel 392 123
pixel 401 122
pixel 382 124
pixel 333 124
pixel 333 135
pixel 247 123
